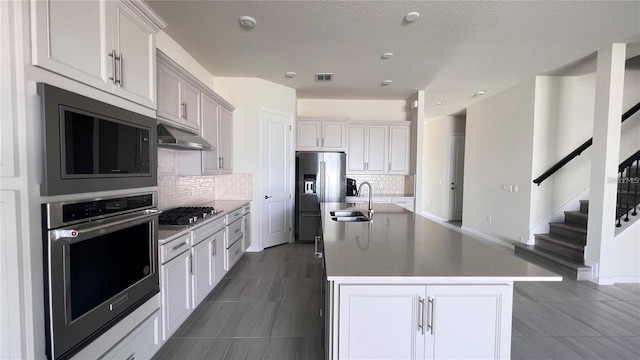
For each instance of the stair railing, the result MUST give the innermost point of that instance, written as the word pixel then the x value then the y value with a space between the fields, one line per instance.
pixel 579 150
pixel 628 188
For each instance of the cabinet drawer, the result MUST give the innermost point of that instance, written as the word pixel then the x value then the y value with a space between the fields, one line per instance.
pixel 232 255
pixel 234 232
pixel 174 248
pixel 207 230
pixel 141 343
pixel 246 209
pixel 234 215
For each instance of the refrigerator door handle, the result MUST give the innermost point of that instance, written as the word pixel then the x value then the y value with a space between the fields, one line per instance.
pixel 323 180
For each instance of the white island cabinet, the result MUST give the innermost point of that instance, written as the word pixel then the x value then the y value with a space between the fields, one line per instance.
pixel 420 291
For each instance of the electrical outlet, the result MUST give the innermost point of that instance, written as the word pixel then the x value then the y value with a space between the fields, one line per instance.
pixel 489 218
pixel 515 188
pixel 428 202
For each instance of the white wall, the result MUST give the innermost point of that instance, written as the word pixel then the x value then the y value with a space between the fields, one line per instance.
pixel 357 110
pixel 437 163
pixel 250 96
pixel 623 264
pixel 498 148
pixel 630 138
pixel 563 121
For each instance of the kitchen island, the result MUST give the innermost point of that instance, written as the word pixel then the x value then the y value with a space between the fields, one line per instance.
pixel 404 287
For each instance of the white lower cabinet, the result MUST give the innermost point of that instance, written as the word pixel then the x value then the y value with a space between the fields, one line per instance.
pixel 203 277
pixel 424 322
pixel 175 286
pixel 142 343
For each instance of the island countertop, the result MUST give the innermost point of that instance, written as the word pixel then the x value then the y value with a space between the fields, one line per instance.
pixel 401 247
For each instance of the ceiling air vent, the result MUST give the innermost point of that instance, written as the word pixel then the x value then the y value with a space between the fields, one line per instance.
pixel 324 76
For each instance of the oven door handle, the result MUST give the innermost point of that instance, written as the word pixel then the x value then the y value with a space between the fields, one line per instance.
pixel 83 231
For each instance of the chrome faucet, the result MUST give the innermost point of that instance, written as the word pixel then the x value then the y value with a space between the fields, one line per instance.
pixel 370 194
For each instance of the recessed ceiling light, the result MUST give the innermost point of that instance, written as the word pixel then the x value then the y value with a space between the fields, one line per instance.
pixel 440 102
pixel 247 21
pixel 481 92
pixel 387 56
pixel 386 82
pixel 412 16
pixel 290 74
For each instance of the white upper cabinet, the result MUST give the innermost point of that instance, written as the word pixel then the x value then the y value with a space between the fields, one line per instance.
pixel 225 141
pixel 321 133
pixel 178 96
pixel 210 132
pixel 109 45
pixel 367 149
pixel 399 150
pixel 378 148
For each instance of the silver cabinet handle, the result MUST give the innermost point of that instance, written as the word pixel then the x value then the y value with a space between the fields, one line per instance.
pixel 132 357
pixel 190 264
pixel 222 162
pixel 178 246
pixel 421 314
pixel 121 61
pixel 214 251
pixel 430 319
pixel 317 254
pixel 113 66
pixel 317 142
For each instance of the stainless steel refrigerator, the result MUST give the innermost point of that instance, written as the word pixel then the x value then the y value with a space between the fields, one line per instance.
pixel 320 177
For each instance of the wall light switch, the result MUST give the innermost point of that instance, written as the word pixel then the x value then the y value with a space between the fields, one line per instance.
pixel 489 218
pixel 515 188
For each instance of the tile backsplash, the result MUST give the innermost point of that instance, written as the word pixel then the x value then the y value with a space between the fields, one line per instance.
pixel 176 190
pixel 387 184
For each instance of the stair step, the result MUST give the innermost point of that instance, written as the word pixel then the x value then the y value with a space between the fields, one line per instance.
pixel 569 231
pixel 553 263
pixel 562 241
pixel 576 217
pixel 584 206
pixel 559 247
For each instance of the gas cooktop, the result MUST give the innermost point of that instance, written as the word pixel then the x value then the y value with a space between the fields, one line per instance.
pixel 186 215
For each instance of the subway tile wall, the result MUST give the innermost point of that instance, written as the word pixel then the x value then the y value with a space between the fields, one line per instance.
pixel 387 184
pixel 175 190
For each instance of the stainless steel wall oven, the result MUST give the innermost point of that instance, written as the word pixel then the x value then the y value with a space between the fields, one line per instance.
pixel 100 263
pixel 93 146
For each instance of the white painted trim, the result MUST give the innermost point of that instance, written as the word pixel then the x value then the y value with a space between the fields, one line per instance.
pixel 634 221
pixel 254 249
pixel 432 217
pixel 492 240
pixel 450 165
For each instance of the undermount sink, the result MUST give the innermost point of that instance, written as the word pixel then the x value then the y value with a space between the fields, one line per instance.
pixel 348 216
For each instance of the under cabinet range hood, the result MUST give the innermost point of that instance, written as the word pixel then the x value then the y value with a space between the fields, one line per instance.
pixel 172 137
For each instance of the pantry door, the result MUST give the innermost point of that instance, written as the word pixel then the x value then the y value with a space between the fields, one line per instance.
pixel 276 215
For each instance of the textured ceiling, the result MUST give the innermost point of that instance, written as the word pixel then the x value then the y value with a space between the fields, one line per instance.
pixel 453 50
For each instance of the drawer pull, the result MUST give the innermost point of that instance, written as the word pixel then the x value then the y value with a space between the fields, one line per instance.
pixel 132 357
pixel 178 246
pixel 237 231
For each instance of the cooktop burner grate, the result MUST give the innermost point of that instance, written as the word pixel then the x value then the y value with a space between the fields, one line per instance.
pixel 182 215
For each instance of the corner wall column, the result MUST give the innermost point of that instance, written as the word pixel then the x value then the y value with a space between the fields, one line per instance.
pixel 604 165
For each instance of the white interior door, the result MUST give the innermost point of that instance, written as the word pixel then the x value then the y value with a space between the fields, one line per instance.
pixel 277 210
pixel 457 177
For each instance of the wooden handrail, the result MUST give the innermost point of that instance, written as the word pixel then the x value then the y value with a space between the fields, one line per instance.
pixel 579 150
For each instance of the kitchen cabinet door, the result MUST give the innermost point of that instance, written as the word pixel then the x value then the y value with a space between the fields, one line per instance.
pixel 381 322
pixel 219 268
pixel 175 286
pixel 225 140
pixel 308 138
pixel 72 39
pixel 377 149
pixel 357 149
pixel 479 314
pixel 169 85
pixel 333 136
pixel 134 42
pixel 246 231
pixel 203 275
pixel 190 96
pixel 142 343
pixel 210 124
pixel 399 150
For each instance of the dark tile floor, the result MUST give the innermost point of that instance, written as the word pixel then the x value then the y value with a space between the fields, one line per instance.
pixel 267 307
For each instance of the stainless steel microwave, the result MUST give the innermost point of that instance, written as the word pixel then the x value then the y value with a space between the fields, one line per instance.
pixel 93 146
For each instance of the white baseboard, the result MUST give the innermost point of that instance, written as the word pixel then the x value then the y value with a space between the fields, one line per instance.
pixel 254 249
pixel 432 217
pixel 490 240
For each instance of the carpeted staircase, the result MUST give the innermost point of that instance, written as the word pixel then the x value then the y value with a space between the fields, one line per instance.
pixel 562 249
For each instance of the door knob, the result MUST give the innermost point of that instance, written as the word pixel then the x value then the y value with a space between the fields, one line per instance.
pixel 452 188
pixel 267 196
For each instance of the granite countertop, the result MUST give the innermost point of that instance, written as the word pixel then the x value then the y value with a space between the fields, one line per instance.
pixel 401 247
pixel 167 233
